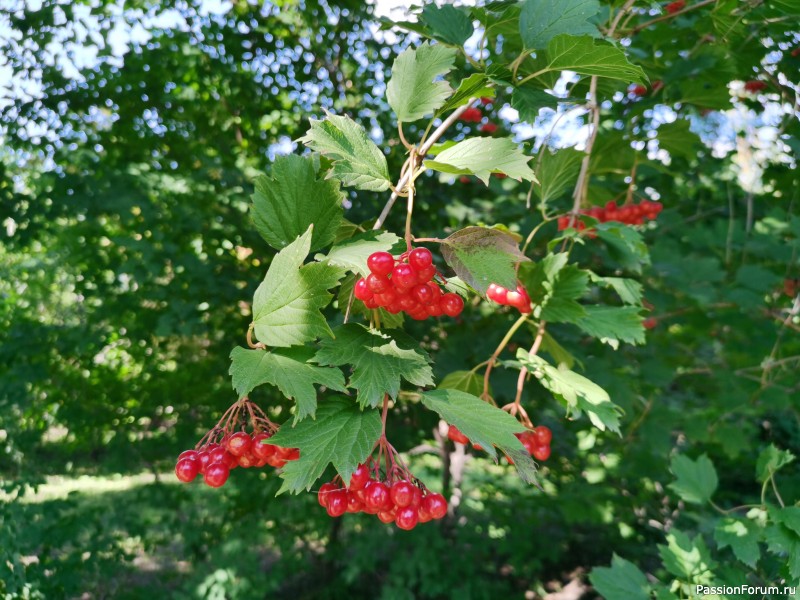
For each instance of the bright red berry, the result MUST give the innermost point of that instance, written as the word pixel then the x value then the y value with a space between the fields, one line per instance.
pixel 403 276
pixel 542 435
pixel 402 493
pixel 354 504
pixel 261 450
pixel 324 490
pixel 755 86
pixel 187 469
pixel 407 518
pixel 422 294
pixel 472 115
pixel 387 516
pixel 239 443
pixel 361 291
pixel 204 460
pixel 360 478
pixel 188 454
pixel 377 284
pixel 376 495
pixel 649 323
pixel 337 503
pixel 541 452
pixel 380 263
pixel 488 128
pixel 427 273
pixel 435 505
pixel 216 474
pixel 452 304
pixel 420 258
pixel 676 6
pixel 455 435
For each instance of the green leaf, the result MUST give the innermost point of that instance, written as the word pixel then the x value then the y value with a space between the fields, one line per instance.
pixel 782 540
pixel 287 303
pixel 613 324
pixel 341 435
pixel 555 286
pixel 357 161
pixel 576 391
pixel 622 581
pixel 770 461
pixel 528 100
pixel 483 424
pixel 483 156
pixel 447 23
pixel 412 92
pixel 463 381
pixel 556 172
pixel 474 86
pixel 742 536
pixel 560 355
pixel 482 255
pixel 625 245
pixel 289 370
pixel 687 559
pixel 379 361
pixel 678 140
pixel 789 517
pixel 352 254
pixel 587 57
pixel 541 20
pixel 629 291
pixel 291 198
pixel 696 480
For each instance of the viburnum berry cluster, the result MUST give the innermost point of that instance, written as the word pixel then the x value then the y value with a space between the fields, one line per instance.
pixel 228 445
pixel 630 214
pixel 406 284
pixel 536 441
pixel 391 493
pixel 518 298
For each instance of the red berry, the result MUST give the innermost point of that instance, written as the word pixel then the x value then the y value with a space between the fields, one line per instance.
pixel 471 115
pixel 755 86
pixel 488 128
pixel 464 179
pixel 455 434
pixel 422 294
pixel 402 493
pixel 380 263
pixel 376 495
pixel 387 516
pixel 649 323
pixel 427 273
pixel 377 284
pixel 639 90
pixel 360 478
pixel 676 6
pixel 420 258
pixel 354 504
pixel 223 456
pixel 337 503
pixel 239 443
pixel 542 435
pixel 261 450
pixel 188 454
pixel 187 469
pixel 361 291
pixel 403 276
pixel 435 505
pixel 423 514
pixel 370 303
pixel 497 293
pixel 541 452
pixel 324 490
pixel 452 304
pixel 407 303
pixel 248 460
pixel 407 518
pixel 203 460
pixel 435 309
pixel 216 475
pixel 386 298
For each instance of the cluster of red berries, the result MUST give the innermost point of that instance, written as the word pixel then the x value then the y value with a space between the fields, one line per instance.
pixel 406 284
pixel 674 7
pixel 472 115
pixel 638 90
pixel 755 86
pixel 405 502
pixel 631 214
pixel 214 460
pixel 536 441
pixel 489 128
pixel 517 298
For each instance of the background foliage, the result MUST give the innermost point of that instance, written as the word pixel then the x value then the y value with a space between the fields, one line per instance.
pixel 128 260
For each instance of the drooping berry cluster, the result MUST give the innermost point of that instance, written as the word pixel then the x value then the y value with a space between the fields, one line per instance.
pixel 536 441
pixel 631 214
pixel 517 298
pixel 406 284
pixel 224 448
pixel 395 496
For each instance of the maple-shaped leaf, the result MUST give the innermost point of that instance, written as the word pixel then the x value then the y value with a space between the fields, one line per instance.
pixel 286 306
pixel 484 424
pixel 412 92
pixel 357 161
pixel 541 20
pixel 483 156
pixel 342 434
pixel 554 287
pixel 353 253
pixel 482 255
pixel 291 198
pixel 379 360
pixel 290 370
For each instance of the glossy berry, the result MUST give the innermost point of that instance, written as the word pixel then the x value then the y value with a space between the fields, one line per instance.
pixel 420 258
pixel 674 7
pixel 337 503
pixel 541 452
pixel 324 491
pixel 542 435
pixel 422 294
pixel 407 518
pixel 471 115
pixel 354 504
pixel 377 284
pixel 216 475
pixel 403 276
pixel 639 90
pixel 376 495
pixel 380 263
pixel 188 454
pixel 261 450
pixel 187 469
pixel 427 273
pixel 204 460
pixel 387 516
pixel 239 443
pixel 361 291
pixel 488 128
pixel 360 478
pixel 402 493
pixel 435 505
pixel 452 304
pixel 455 435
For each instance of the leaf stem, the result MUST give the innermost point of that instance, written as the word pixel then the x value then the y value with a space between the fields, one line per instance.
pixel 493 358
pixel 537 342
